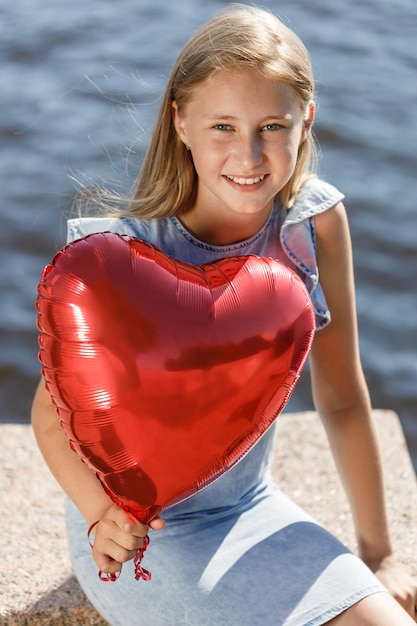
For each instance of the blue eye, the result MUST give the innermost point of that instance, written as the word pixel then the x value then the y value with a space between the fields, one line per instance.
pixel 272 127
pixel 222 127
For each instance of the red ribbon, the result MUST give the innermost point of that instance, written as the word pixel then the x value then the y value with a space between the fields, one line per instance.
pixel 141 572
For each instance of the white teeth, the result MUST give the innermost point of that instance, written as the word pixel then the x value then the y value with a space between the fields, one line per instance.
pixel 246 181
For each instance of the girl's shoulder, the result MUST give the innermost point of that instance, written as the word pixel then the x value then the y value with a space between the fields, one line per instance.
pixel 142 229
pixel 298 238
pixel 315 196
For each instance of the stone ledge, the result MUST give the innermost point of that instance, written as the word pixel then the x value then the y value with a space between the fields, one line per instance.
pixel 38 586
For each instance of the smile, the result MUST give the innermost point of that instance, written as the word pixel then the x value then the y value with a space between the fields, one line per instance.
pixel 246 181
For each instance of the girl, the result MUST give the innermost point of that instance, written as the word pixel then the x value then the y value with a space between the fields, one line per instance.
pixel 229 172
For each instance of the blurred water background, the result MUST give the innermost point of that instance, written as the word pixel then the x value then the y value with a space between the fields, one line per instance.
pixel 80 84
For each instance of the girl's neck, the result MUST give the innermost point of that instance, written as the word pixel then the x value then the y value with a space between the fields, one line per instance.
pixel 218 225
pixel 222 232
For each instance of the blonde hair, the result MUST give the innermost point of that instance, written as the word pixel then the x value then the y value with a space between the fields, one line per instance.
pixel 240 38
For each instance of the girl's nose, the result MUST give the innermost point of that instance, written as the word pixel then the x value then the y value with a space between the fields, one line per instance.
pixel 249 152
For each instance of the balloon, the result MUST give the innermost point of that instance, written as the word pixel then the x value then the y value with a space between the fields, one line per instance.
pixel 164 374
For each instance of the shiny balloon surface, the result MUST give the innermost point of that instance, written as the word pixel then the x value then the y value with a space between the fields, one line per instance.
pixel 164 374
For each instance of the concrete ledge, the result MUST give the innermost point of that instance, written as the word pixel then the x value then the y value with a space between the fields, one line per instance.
pixel 37 584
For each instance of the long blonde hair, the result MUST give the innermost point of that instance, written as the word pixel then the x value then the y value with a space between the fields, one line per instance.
pixel 242 38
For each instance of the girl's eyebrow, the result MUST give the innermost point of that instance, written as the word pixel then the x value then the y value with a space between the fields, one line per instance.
pixel 273 116
pixel 216 116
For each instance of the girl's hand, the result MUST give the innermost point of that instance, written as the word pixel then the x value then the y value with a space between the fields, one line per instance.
pixel 117 538
pixel 399 583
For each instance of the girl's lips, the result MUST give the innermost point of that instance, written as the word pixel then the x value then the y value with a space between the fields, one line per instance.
pixel 246 181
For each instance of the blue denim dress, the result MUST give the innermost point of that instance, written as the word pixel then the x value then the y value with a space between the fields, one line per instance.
pixel 240 552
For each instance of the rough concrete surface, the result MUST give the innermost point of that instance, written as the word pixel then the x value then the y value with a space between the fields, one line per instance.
pixel 37 585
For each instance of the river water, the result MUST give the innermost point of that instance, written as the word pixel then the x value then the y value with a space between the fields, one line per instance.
pixel 80 84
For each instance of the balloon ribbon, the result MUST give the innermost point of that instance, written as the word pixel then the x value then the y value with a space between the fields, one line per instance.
pixel 141 572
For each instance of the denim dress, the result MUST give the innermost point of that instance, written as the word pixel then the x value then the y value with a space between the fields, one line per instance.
pixel 239 552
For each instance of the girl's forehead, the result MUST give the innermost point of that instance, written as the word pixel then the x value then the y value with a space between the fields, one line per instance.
pixel 247 85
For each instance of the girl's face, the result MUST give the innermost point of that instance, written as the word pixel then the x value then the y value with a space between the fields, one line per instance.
pixel 244 132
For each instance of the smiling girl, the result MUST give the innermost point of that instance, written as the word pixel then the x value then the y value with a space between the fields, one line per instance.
pixel 229 171
pixel 243 131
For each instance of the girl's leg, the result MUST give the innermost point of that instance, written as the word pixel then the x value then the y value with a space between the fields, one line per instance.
pixel 379 609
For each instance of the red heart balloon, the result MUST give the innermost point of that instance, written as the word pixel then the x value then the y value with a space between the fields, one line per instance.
pixel 165 374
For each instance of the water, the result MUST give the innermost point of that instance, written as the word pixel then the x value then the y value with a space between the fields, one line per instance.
pixel 80 83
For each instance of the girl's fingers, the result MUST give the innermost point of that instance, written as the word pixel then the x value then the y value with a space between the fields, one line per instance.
pixel 157 524
pixel 118 537
pixel 106 564
pixel 108 552
pixel 127 538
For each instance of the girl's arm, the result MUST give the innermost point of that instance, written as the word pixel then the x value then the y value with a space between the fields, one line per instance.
pixel 119 535
pixel 341 397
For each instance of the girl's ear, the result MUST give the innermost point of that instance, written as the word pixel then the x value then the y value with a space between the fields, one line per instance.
pixel 179 123
pixel 308 119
